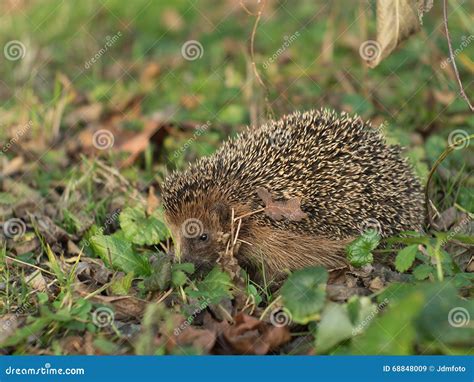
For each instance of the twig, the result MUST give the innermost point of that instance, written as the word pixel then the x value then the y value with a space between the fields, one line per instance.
pixel 451 55
pixel 267 309
pixel 248 214
pixel 244 7
pixel 252 52
pixel 252 43
pixel 29 265
pixel 162 298
pixel 237 233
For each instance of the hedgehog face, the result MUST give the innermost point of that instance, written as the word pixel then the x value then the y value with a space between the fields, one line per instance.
pixel 201 250
pixel 197 234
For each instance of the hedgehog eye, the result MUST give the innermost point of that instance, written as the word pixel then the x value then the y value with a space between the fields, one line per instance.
pixel 203 237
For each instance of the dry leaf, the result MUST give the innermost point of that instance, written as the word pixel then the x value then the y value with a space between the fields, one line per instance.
pixel 423 6
pixel 139 142
pixel 396 21
pixel 37 281
pixel 277 210
pixel 249 335
pixel 376 284
pixel 124 307
pixel 8 324
pixel 13 166
pixel 200 338
pixel 79 345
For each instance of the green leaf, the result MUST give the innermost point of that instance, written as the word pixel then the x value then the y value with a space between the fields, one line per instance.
pixel 446 318
pixel 422 271
pixel 185 267
pixel 121 286
pixel 304 293
pixel 81 309
pixel 392 332
pixel 179 273
pixel 362 310
pixel 117 252
pixel 462 280
pixel 405 258
pixel 178 278
pixel 54 264
pixel 335 326
pixel 142 229
pixel 161 275
pixel 215 286
pixel 359 252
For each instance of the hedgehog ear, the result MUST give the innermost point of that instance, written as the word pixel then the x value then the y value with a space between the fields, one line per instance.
pixel 222 210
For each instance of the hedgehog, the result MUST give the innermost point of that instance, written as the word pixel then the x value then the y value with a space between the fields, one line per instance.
pixel 347 178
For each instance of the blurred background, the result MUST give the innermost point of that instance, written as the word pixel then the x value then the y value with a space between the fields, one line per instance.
pixel 104 63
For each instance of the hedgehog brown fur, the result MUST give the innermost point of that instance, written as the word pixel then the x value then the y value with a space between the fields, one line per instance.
pixel 347 177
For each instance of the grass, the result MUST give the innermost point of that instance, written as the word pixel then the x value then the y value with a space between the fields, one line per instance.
pixel 87 274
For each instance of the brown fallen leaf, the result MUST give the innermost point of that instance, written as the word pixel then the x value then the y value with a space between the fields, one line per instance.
pixel 8 324
pixel 13 166
pixel 87 113
pixel 396 21
pixel 376 284
pixel 24 246
pixel 136 145
pixel 277 210
pixel 37 281
pixel 200 338
pixel 79 345
pixel 51 232
pixel 92 271
pixel 423 6
pixel 125 307
pixel 249 335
